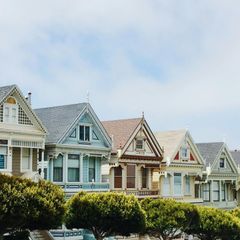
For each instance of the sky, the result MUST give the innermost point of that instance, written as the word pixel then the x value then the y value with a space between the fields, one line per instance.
pixel 176 61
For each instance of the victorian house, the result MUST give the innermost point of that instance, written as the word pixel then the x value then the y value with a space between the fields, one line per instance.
pixel 76 147
pixel 221 175
pixel 182 167
pixel 136 155
pixel 22 135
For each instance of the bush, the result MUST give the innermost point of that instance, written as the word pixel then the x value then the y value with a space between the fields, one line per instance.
pixel 28 205
pixel 167 219
pixel 105 214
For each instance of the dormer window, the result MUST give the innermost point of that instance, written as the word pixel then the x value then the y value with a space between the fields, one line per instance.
pixel 184 153
pixel 139 144
pixel 10 111
pixel 84 133
pixel 222 163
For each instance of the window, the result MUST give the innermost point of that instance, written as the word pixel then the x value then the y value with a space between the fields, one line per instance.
pixel 91 169
pixel 131 176
pixel 73 134
pixel 215 190
pixel 118 177
pixel 84 133
pixel 222 163
pixel 223 185
pixel 26 159
pixel 166 186
pixel 73 167
pixel 10 111
pixel 139 144
pixel 177 184
pixel 58 169
pixel 184 153
pixel 187 185
pixel 206 192
pixel 3 157
pixel 144 177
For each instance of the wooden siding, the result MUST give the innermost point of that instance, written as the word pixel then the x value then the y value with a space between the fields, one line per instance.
pixel 16 161
pixel 34 160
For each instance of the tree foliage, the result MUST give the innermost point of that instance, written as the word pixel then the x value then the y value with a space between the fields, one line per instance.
pixel 167 219
pixel 105 214
pixel 28 205
pixel 216 224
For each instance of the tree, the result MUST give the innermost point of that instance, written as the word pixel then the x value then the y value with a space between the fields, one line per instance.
pixel 105 214
pixel 166 218
pixel 28 205
pixel 216 224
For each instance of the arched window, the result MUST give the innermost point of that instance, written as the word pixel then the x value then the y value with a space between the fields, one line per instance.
pixel 118 177
pixel 10 111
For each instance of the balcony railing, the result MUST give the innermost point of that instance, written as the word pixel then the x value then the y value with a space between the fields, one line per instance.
pixel 76 187
pixel 140 193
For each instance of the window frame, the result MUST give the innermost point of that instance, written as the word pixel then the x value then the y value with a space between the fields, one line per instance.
pixel 206 190
pixel 78 168
pixel 84 133
pixel 5 157
pixel 187 190
pixel 176 174
pixel 30 160
pixel 62 159
pixel 131 177
pixel 137 148
pixel 216 191
pixel 119 177
pixel 222 161
pixel 186 150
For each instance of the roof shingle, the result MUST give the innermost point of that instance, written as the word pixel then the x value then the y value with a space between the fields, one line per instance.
pixel 236 156
pixel 5 90
pixel 120 130
pixel 58 119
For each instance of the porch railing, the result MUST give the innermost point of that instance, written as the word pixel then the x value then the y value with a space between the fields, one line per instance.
pixel 75 187
pixel 139 193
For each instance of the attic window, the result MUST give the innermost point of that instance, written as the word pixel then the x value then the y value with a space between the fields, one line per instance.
pixel 84 133
pixel 222 163
pixel 139 144
pixel 184 153
pixel 10 111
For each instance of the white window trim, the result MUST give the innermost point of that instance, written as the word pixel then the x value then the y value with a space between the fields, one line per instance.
pixel 143 144
pixel 185 158
pixel 10 113
pixel 21 163
pixel 90 132
pixel 224 159
pixel 66 159
pixel 181 194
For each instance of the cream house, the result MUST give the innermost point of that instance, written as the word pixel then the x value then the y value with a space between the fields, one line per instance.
pixel 22 135
pixel 136 155
pixel 182 167
pixel 221 175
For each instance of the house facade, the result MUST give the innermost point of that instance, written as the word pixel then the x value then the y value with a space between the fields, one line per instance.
pixel 136 155
pixel 76 147
pixel 22 135
pixel 220 176
pixel 182 167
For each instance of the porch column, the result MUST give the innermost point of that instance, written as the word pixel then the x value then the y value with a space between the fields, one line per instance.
pixel 65 168
pixel 137 177
pixel 220 191
pixel 211 190
pixel 42 164
pixel 149 178
pixel 81 167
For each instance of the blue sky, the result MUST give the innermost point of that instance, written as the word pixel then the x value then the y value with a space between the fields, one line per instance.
pixel 178 61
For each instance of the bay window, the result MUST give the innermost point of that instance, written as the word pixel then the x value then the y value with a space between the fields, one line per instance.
pixel 131 174
pixel 177 184
pixel 92 169
pixel 216 192
pixel 58 169
pixel 26 159
pixel 118 177
pixel 206 192
pixel 187 185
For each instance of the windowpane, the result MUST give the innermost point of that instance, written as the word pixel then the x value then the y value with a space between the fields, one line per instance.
pixel 222 163
pixel 177 183
pixel 26 159
pixel 87 133
pixel 91 170
pixel 166 186
pixel 144 177
pixel 187 185
pixel 139 144
pixel 215 190
pixel 118 177
pixel 223 191
pixel 73 167
pixel 206 192
pixel 81 133
pixel 58 169
pixel 130 176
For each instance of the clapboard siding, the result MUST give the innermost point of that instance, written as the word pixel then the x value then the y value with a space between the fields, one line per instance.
pixel 16 159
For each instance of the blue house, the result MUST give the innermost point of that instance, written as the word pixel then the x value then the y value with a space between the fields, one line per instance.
pixel 76 148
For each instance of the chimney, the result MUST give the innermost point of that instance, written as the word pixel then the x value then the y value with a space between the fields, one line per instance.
pixel 29 98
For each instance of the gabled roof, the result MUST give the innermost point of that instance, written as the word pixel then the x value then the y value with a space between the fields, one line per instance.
pixel 210 151
pixel 236 156
pixel 170 141
pixel 121 130
pixel 59 119
pixel 5 91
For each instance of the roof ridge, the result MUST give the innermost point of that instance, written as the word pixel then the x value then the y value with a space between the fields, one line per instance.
pixel 210 142
pixel 123 119
pixel 65 105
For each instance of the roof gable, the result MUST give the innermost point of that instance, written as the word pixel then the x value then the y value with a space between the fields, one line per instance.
pixel 236 156
pixel 24 109
pixel 173 142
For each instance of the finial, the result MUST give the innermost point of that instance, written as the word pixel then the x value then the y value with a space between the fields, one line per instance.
pixel 88 96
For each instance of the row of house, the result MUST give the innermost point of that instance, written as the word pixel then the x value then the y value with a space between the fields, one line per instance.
pixel 71 147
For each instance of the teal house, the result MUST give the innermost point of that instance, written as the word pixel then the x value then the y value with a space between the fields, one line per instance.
pixel 76 148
